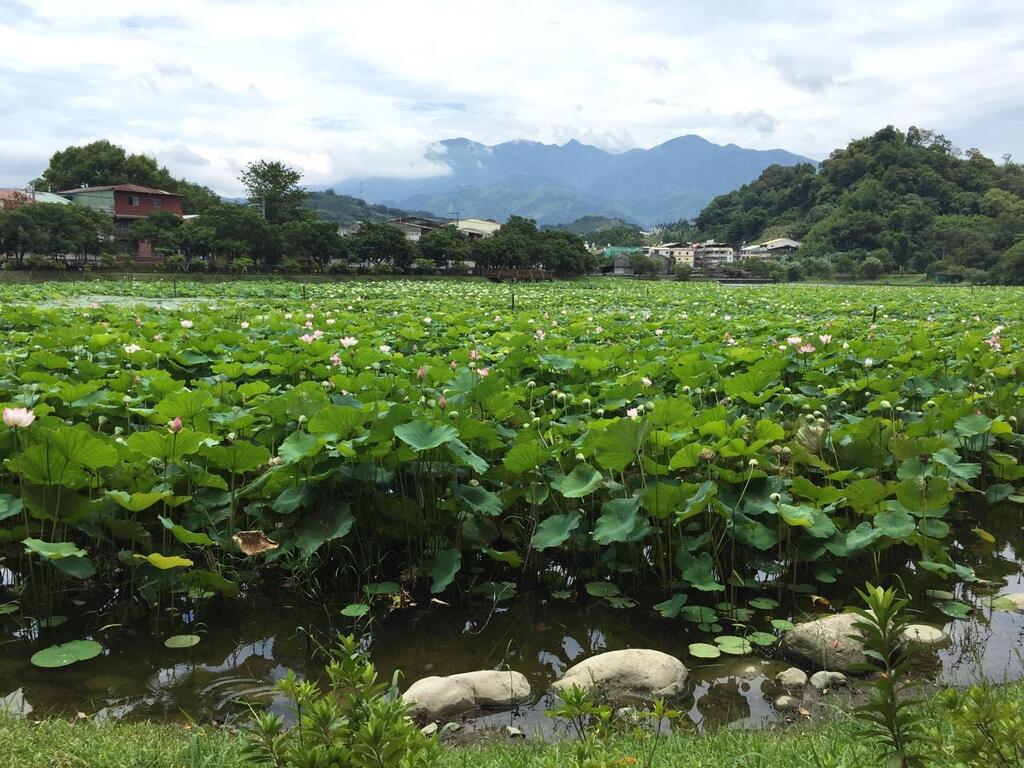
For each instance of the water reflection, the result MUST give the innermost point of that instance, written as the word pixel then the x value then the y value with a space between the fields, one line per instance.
pixel 249 645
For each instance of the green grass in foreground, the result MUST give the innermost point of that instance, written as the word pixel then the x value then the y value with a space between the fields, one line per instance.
pixel 63 744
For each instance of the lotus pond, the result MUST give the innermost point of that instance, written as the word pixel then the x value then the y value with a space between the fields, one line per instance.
pixel 196 493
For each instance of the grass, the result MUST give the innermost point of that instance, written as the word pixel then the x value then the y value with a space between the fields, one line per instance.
pixel 84 744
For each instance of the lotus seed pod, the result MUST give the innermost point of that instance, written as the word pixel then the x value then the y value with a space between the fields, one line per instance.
pixel 775 498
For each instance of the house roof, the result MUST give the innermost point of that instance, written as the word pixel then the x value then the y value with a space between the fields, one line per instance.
pixel 27 196
pixel 120 188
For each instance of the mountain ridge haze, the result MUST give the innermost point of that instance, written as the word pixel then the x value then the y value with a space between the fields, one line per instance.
pixel 558 183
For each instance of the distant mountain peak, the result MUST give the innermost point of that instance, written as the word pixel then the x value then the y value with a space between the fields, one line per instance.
pixel 560 183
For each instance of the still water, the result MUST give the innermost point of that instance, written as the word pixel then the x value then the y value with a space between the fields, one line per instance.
pixel 250 643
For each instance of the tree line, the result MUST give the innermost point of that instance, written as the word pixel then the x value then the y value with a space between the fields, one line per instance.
pixel 887 203
pixel 275 230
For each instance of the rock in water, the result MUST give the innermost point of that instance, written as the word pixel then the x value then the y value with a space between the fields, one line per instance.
pixel 794 677
pixel 441 697
pixel 496 689
pixel 632 673
pixel 924 634
pixel 787 704
pixel 825 680
pixel 826 643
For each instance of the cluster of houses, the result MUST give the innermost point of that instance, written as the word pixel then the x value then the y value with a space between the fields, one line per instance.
pixel 707 256
pixel 124 203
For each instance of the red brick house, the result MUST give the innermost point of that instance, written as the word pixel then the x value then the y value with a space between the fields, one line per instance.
pixel 126 204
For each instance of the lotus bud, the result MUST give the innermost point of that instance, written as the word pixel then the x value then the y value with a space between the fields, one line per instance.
pixel 175 425
pixel 126 399
pixel 885 404
pixel 442 402
pixel 421 373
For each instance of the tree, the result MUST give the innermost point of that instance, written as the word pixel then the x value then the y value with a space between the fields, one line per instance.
pixel 683 272
pixel 314 243
pixel 102 163
pixel 379 244
pixel 618 236
pixel 643 265
pixel 871 268
pixel 240 232
pixel 444 246
pixel 1010 269
pixel 564 253
pixel 273 188
pixel 19 231
pixel 158 228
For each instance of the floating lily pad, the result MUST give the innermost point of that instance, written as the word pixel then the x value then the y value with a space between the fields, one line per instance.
pixel 704 651
pixel 181 641
pixel 66 653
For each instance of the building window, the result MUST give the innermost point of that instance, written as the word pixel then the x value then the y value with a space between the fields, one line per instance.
pixel 155 202
pixel 134 201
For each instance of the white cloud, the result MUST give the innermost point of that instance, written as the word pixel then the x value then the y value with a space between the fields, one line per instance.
pixel 363 88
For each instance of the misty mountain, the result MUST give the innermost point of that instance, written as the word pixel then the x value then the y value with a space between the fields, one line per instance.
pixel 555 184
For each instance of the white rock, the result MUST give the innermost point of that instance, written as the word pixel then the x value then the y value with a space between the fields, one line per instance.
pixel 514 733
pixel 794 677
pixel 496 688
pixel 441 697
pixel 429 729
pixel 825 680
pixel 826 643
pixel 634 672
pixel 924 634
pixel 787 703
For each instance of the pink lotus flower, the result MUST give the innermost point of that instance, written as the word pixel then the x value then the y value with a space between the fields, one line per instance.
pixel 131 349
pixel 287 315
pixel 484 372
pixel 335 359
pixel 540 334
pixel 245 325
pixel 138 321
pixel 175 426
pixel 307 338
pixel 349 341
pixel 442 402
pixel 308 324
pixel 453 365
pixel 633 413
pixel 18 418
pixel 421 373
pixel 825 338
pixel 385 349
pixel 994 342
pixel 474 354
pixel 158 337
pixel 793 340
pixel 806 349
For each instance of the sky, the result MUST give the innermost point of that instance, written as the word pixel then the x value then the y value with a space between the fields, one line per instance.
pixel 349 89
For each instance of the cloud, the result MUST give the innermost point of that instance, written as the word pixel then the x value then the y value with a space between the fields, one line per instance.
pixel 814 74
pixel 363 88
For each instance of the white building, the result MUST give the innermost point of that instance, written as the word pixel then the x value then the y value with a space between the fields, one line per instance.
pixel 678 253
pixel 770 249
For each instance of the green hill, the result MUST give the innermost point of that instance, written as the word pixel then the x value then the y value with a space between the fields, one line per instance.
pixel 349 211
pixel 910 200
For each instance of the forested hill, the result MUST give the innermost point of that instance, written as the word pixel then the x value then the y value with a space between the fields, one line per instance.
pixel 350 211
pixel 908 199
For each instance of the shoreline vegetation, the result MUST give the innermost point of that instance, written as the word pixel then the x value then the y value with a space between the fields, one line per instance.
pixel 836 740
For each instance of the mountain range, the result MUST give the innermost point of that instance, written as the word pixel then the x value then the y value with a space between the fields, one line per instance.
pixel 560 183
